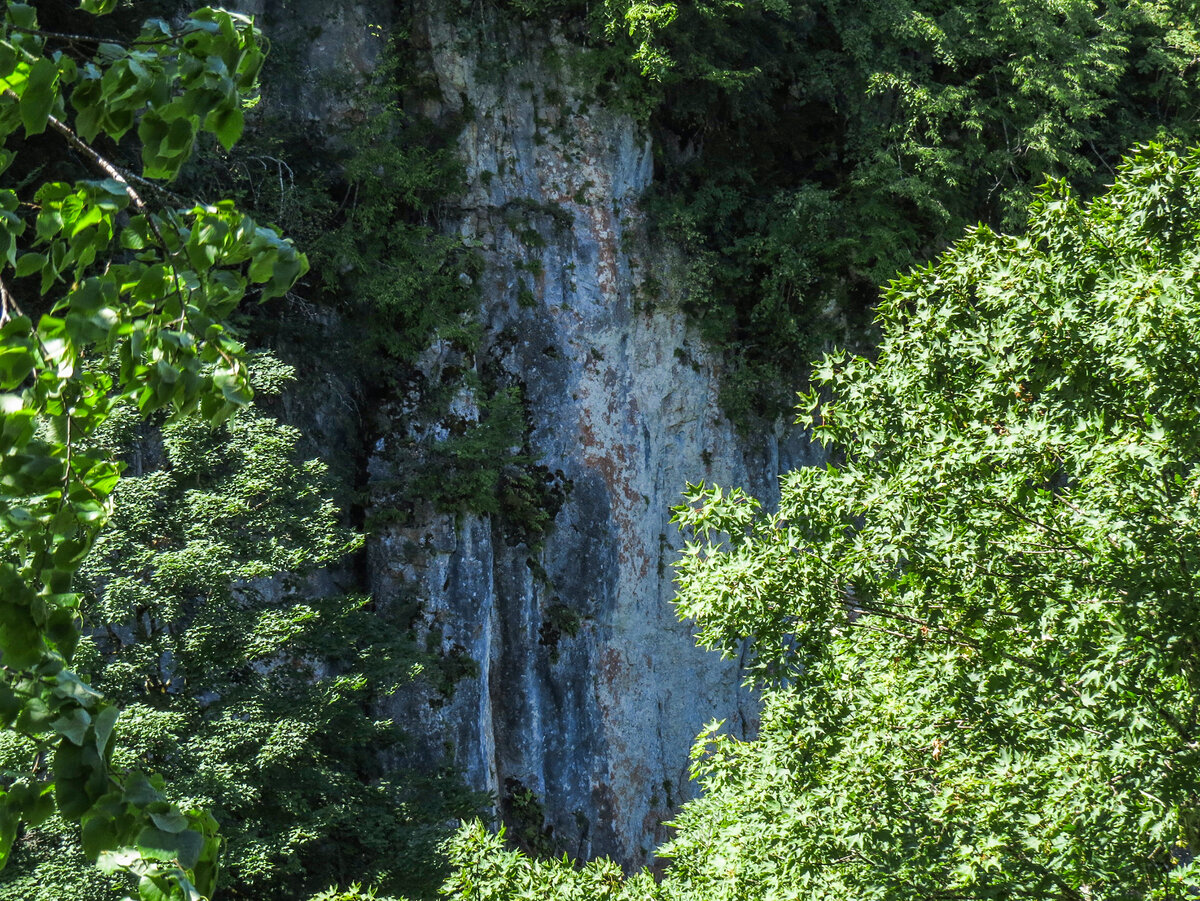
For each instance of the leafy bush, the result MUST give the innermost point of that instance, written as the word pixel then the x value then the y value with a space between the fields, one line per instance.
pixel 354 893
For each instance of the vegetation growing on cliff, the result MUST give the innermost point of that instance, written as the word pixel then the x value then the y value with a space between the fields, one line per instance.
pixel 371 206
pixel 976 634
pixel 809 150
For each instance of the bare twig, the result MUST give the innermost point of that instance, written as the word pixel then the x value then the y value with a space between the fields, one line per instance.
pixel 8 304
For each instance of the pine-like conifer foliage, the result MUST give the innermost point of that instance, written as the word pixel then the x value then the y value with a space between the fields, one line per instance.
pixel 244 676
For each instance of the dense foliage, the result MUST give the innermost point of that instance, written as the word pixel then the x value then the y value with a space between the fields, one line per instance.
pixel 240 679
pixel 976 631
pixel 973 634
pixel 108 300
pixel 809 149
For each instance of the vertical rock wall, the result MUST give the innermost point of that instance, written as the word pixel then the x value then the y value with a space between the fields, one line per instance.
pixel 581 685
pixel 622 398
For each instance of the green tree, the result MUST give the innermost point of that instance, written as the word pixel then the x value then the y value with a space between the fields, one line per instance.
pixel 109 298
pixel 243 676
pixel 976 629
pixel 809 149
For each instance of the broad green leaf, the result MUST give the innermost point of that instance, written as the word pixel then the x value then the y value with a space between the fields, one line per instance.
pixel 157 844
pixel 160 888
pixel 37 100
pixel 29 263
pixel 73 725
pixel 99 834
pixel 170 821
pixel 9 823
pixel 22 15
pixel 227 124
pixel 98 7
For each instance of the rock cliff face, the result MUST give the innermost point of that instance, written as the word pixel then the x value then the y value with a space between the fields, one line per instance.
pixel 585 689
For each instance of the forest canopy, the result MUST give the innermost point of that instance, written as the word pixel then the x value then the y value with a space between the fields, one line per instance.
pixel 808 151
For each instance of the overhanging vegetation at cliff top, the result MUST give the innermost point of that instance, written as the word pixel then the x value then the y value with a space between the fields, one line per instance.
pixel 807 151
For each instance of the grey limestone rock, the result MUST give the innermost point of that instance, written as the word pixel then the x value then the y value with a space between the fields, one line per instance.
pixel 580 684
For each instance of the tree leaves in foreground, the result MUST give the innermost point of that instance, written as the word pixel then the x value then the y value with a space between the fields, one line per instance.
pixel 977 630
pixel 106 299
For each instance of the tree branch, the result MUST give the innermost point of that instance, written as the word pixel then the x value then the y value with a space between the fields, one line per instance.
pixel 8 304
